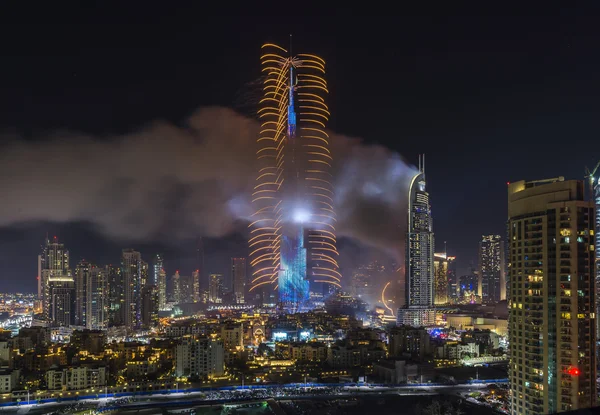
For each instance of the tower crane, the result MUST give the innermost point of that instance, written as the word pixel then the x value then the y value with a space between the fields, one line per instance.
pixel 590 176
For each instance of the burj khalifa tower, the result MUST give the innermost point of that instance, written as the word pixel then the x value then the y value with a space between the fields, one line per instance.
pixel 292 242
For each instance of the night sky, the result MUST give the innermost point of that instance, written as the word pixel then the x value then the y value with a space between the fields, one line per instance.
pixel 487 99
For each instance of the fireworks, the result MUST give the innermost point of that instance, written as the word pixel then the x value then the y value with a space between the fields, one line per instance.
pixel 293 195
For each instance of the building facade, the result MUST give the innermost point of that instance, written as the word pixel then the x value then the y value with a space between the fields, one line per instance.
pixel 552 297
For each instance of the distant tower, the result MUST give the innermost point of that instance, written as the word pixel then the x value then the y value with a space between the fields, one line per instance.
pixel 157 266
pixel 293 242
pixel 57 284
pixel 419 270
pixel 97 299
pixel 238 276
pixel 135 273
pixel 492 284
pixel 177 294
pixel 82 280
pixel 215 288
pixel 196 286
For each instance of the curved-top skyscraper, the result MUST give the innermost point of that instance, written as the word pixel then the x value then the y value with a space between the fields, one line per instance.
pixel 419 275
pixel 293 251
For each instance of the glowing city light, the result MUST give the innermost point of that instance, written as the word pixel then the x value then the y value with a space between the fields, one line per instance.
pixel 301 216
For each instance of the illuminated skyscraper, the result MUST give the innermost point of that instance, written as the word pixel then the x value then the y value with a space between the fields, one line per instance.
pixel 419 271
pixel 135 275
pixel 157 266
pixel 552 297
pixel 293 243
pixel 159 277
pixel 492 281
pixel 177 287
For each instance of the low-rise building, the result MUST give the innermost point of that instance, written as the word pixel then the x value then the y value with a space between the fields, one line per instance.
pixel 341 356
pixel 75 378
pixel 311 351
pixel 9 379
pixel 200 357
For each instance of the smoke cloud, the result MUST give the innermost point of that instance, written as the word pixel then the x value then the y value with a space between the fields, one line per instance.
pixel 168 182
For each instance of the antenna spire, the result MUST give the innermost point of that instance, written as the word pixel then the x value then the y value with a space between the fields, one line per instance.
pixel 291 45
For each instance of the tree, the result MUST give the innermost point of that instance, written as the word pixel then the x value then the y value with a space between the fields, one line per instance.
pixel 437 408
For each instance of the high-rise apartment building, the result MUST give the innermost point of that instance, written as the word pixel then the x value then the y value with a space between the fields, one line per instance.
pixel 440 278
pixel 215 288
pixel 177 287
pixel 57 284
pixel 157 268
pixel 419 278
pixel 135 275
pixel 82 277
pixel 116 295
pixel 552 297
pixel 149 303
pixel 97 299
pixel 238 276
pixel 293 241
pixel 492 280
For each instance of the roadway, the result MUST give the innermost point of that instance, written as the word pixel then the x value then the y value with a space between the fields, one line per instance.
pixel 179 398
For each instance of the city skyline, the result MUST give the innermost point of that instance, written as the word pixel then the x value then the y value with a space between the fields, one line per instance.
pixel 239 210
pixel 464 119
